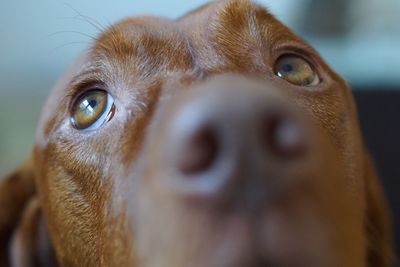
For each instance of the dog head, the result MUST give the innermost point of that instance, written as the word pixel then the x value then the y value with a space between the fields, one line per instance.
pixel 217 139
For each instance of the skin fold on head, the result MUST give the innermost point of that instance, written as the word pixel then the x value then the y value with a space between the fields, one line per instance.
pixel 224 140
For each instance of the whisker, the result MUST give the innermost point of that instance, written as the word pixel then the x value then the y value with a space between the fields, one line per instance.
pixel 83 20
pixel 65 45
pixel 76 32
pixel 87 19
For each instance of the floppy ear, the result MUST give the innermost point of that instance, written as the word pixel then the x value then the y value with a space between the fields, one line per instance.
pixel 378 225
pixel 15 191
pixel 30 245
pixel 21 227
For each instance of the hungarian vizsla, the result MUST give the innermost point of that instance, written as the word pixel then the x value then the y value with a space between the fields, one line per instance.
pixel 219 139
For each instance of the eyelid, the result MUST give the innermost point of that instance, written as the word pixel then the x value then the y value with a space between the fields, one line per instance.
pixel 293 47
pixel 78 88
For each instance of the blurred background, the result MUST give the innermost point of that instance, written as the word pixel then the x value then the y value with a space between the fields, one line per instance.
pixel 359 38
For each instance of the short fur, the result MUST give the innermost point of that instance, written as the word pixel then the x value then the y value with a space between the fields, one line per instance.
pixel 75 196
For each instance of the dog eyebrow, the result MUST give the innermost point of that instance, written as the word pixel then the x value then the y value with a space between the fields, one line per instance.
pixel 114 42
pixel 84 80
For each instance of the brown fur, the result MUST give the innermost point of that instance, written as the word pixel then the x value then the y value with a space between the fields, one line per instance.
pixel 84 182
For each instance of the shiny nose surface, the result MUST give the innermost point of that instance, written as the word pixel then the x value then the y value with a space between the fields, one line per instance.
pixel 228 137
pixel 278 134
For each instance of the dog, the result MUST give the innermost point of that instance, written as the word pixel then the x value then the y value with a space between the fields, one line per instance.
pixel 217 139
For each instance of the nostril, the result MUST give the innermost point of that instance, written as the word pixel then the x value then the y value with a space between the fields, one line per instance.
pixel 199 151
pixel 284 137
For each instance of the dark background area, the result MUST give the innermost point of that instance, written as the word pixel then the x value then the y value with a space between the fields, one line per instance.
pixel 379 116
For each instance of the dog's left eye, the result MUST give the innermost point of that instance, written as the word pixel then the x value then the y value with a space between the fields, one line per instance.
pixel 296 70
pixel 92 109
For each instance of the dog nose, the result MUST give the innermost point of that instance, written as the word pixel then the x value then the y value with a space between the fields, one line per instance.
pixel 233 138
pixel 278 135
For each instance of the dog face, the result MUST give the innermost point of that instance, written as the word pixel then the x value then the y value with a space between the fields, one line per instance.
pixel 219 139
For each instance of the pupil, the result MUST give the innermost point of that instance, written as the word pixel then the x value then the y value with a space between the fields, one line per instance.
pixel 92 103
pixel 287 68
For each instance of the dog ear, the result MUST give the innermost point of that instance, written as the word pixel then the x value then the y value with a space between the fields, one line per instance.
pixel 15 191
pixel 30 245
pixel 378 226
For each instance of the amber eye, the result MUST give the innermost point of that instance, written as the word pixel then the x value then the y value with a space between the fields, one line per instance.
pixel 92 109
pixel 296 70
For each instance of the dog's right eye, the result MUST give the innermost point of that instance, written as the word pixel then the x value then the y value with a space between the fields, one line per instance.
pixel 92 109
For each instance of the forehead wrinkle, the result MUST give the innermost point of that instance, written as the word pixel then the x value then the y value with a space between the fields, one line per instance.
pixel 248 25
pixel 114 42
pixel 144 44
pixel 234 35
